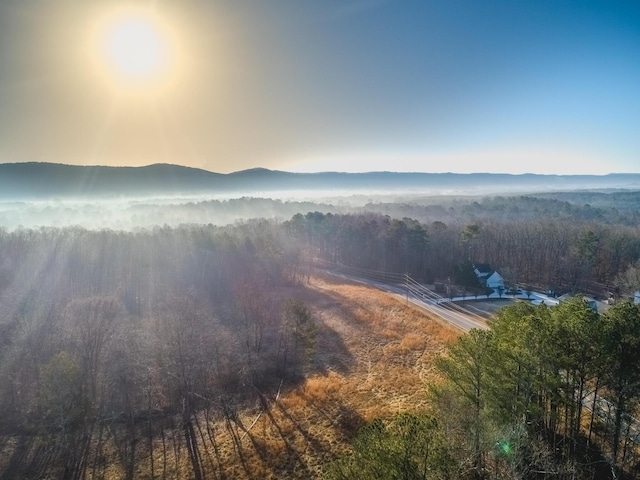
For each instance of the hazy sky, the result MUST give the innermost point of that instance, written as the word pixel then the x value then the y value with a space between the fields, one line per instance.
pixel 542 86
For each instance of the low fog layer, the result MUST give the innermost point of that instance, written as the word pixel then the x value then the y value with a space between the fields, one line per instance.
pixel 36 195
pixel 129 214
pixel 617 207
pixel 148 212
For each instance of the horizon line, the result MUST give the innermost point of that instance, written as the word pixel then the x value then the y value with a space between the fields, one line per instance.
pixel 336 172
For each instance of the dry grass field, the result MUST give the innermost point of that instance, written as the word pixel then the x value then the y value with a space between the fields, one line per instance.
pixel 373 358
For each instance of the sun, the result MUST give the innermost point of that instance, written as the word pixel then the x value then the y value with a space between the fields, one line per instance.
pixel 136 48
pixel 133 50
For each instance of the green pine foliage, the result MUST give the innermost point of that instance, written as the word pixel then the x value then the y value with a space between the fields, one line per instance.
pixel 410 447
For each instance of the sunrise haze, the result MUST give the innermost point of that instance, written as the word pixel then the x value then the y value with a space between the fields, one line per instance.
pixel 364 85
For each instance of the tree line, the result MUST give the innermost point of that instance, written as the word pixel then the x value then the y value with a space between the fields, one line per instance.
pixel 563 256
pixel 615 208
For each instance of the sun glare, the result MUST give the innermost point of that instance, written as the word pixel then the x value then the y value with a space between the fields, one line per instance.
pixel 134 50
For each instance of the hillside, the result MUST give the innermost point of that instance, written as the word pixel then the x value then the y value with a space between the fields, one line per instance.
pixel 46 180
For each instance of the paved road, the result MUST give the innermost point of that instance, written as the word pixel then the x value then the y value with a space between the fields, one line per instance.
pixel 445 311
pixel 463 321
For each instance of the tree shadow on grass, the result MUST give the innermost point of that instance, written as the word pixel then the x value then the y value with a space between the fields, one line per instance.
pixel 294 460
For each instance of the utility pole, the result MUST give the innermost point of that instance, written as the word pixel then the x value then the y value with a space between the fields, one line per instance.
pixel 406 286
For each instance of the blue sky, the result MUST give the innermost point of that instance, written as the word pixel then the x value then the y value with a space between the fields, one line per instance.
pixel 508 86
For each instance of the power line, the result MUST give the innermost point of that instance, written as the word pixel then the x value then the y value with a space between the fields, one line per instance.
pixel 411 286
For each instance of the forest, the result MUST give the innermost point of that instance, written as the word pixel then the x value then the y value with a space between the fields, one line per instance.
pixel 105 328
pixel 584 256
pixel 133 353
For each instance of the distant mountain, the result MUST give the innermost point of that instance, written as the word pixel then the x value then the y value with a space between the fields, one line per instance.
pixel 29 180
pixel 49 180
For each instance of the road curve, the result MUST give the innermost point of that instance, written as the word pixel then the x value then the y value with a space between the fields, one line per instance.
pixel 455 318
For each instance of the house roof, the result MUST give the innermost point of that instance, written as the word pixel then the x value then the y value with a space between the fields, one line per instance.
pixel 483 268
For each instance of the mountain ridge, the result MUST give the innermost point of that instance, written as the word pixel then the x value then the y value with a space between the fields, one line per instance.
pixel 46 180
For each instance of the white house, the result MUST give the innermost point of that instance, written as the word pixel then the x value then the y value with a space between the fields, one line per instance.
pixel 487 276
pixel 636 297
pixel 495 280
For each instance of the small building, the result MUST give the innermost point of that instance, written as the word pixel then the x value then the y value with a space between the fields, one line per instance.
pixel 488 277
pixel 495 280
pixel 636 297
